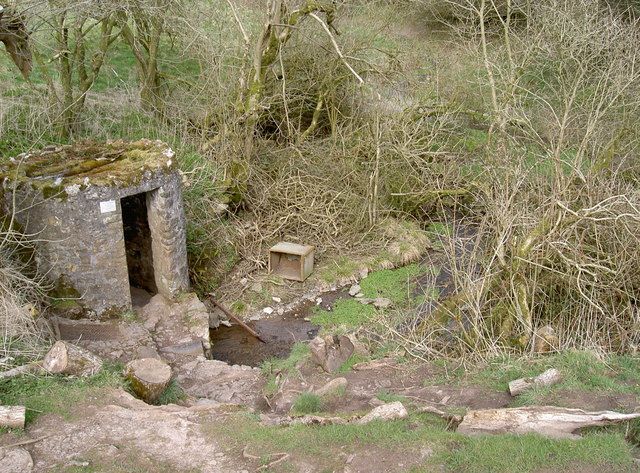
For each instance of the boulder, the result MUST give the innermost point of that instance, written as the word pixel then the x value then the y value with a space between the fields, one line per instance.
pixel 15 460
pixel 68 359
pixel 355 289
pixel 330 352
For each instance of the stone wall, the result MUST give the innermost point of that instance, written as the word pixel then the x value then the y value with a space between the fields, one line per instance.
pixel 80 243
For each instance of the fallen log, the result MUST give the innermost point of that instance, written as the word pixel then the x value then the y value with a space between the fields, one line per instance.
pixel 35 367
pixel 65 358
pixel 548 378
pixel 12 417
pixel 554 422
pixel 149 378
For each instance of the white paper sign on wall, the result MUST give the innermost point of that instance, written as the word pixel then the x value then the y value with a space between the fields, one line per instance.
pixel 107 206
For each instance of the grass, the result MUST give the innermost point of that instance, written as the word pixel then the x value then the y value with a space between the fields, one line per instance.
pixel 529 453
pixel 582 371
pixel 172 395
pixel 452 452
pixel 56 394
pixel 288 366
pixel 307 403
pixel 386 396
pixel 393 284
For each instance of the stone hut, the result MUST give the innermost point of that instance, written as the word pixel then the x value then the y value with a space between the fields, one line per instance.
pixel 104 218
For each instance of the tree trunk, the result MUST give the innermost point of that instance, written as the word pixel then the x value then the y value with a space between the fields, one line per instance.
pixel 12 417
pixel 554 422
pixel 68 359
pixel 149 378
pixel 548 378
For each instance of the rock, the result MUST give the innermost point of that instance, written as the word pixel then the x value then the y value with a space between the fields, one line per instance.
pixel 280 311
pixel 355 289
pixel 244 281
pixel 65 358
pixel 318 300
pixel 217 381
pixel 277 300
pixel 171 436
pixel 15 460
pixel 545 340
pixel 359 348
pixel 382 302
pixel 330 352
pixel 391 411
pixel 149 378
pixel 226 323
pixel 364 272
pixel 359 295
pixel 268 310
pixel 332 386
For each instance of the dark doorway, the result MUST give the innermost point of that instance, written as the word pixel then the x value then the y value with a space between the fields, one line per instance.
pixel 137 242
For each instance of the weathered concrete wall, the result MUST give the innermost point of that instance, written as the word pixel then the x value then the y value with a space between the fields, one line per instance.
pixel 79 238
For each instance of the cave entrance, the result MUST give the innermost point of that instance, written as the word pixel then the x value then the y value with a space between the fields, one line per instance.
pixel 137 242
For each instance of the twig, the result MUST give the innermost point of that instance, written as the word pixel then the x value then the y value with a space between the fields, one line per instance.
pixel 335 45
pixel 24 442
pixel 236 319
pixel 274 462
pixel 247 455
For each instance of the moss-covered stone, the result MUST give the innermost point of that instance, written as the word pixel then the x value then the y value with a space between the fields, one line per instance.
pixel 65 170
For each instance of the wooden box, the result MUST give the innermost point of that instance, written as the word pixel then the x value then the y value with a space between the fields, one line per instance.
pixel 291 261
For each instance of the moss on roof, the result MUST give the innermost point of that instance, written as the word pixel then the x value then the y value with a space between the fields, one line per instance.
pixel 88 163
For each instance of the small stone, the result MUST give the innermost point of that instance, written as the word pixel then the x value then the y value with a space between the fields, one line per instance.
pixel 332 386
pixel 391 411
pixel 319 301
pixel 307 319
pixel 364 272
pixel 277 300
pixel 354 290
pixel 268 310
pixel 226 323
pixel 244 281
pixel 382 303
pixel 359 295
pixel 280 311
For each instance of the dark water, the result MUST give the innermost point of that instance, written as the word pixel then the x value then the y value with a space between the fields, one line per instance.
pixel 236 346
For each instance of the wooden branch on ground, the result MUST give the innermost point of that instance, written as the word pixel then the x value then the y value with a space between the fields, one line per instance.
pixel 236 319
pixel 548 378
pixel 12 417
pixel 550 421
pixel 35 367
